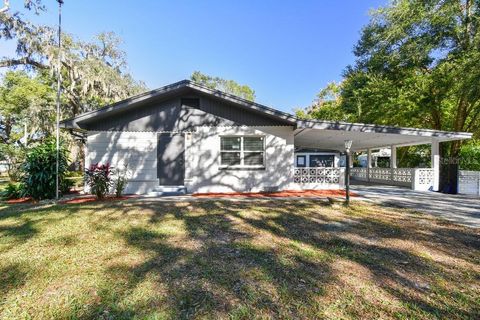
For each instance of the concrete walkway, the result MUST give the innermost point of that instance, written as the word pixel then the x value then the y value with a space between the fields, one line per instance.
pixel 461 209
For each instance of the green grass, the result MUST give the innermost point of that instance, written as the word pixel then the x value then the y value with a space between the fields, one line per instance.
pixel 234 260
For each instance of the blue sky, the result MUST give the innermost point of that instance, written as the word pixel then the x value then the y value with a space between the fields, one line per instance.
pixel 285 50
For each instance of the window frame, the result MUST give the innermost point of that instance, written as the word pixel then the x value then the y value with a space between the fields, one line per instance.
pixel 242 165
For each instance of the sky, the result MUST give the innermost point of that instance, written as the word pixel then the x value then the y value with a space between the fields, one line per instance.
pixel 285 50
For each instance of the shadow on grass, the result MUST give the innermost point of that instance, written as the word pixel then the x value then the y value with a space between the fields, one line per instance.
pixel 19 232
pixel 221 265
pixel 223 270
pixel 12 276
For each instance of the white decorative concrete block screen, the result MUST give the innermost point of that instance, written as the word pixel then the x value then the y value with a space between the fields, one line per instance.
pixel 402 175
pixel 423 179
pixel 469 182
pixel 359 174
pixel 330 177
pixel 417 179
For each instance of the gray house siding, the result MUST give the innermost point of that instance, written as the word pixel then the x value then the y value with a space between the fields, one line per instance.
pixel 171 115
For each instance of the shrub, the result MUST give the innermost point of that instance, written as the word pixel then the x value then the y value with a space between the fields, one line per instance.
pixel 120 181
pixel 13 156
pixel 13 191
pixel 72 179
pixel 39 169
pixel 98 179
pixel 66 185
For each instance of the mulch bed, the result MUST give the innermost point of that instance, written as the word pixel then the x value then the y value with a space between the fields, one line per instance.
pixel 20 200
pixel 86 199
pixel 279 194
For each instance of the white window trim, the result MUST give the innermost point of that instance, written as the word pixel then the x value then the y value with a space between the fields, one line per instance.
pixel 242 152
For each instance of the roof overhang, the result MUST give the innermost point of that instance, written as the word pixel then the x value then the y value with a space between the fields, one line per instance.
pixel 332 135
pixel 308 133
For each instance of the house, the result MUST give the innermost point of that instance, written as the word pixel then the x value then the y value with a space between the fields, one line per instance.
pixel 187 137
pixel 379 157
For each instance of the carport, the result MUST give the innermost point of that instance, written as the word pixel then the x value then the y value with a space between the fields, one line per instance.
pixel 330 135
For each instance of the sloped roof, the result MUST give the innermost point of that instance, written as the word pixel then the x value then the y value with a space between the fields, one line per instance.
pixel 262 110
pixel 174 88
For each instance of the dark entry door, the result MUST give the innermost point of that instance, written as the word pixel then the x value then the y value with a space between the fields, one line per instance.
pixel 171 159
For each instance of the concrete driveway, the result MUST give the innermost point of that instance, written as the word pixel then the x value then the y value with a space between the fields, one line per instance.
pixel 461 209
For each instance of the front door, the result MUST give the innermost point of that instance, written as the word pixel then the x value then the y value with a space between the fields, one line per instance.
pixel 171 159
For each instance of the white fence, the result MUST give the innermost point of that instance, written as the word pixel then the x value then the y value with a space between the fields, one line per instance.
pixel 415 178
pixel 319 178
pixel 469 182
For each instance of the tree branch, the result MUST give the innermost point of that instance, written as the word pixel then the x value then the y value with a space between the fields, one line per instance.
pixel 22 61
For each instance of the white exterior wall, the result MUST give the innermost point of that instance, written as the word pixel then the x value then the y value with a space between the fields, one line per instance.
pixel 202 160
pixel 203 172
pixel 137 149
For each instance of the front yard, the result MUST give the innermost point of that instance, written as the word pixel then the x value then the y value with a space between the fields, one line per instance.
pixel 235 260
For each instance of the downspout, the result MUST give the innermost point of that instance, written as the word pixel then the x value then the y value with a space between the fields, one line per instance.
pixel 6 6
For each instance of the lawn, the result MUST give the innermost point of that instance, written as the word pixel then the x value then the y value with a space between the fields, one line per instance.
pixel 234 260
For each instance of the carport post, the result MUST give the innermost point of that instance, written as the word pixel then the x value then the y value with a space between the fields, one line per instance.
pixel 393 156
pixel 393 160
pixel 369 163
pixel 435 159
pixel 348 145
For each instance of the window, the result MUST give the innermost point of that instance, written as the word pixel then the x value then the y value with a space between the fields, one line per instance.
pixel 301 161
pixel 242 151
pixel 321 160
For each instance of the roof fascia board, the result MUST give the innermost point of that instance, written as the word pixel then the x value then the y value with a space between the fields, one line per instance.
pixel 371 128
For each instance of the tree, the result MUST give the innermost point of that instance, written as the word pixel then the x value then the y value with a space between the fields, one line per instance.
pixel 26 107
pixel 228 86
pixel 417 64
pixel 326 105
pixel 93 73
pixel 26 115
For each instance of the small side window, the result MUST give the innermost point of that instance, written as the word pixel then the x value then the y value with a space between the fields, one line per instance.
pixel 301 161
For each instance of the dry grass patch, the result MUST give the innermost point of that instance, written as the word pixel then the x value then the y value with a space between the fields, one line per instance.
pixel 234 260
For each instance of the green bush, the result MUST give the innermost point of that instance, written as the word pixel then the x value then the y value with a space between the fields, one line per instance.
pixel 98 179
pixel 66 185
pixel 470 156
pixel 13 191
pixel 120 181
pixel 13 156
pixel 40 169
pixel 72 179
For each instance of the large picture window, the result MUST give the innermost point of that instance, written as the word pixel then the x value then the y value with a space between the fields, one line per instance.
pixel 242 151
pixel 317 160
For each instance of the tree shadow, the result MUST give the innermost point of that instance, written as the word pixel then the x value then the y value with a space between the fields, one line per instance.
pixel 18 232
pixel 218 268
pixel 275 259
pixel 12 276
